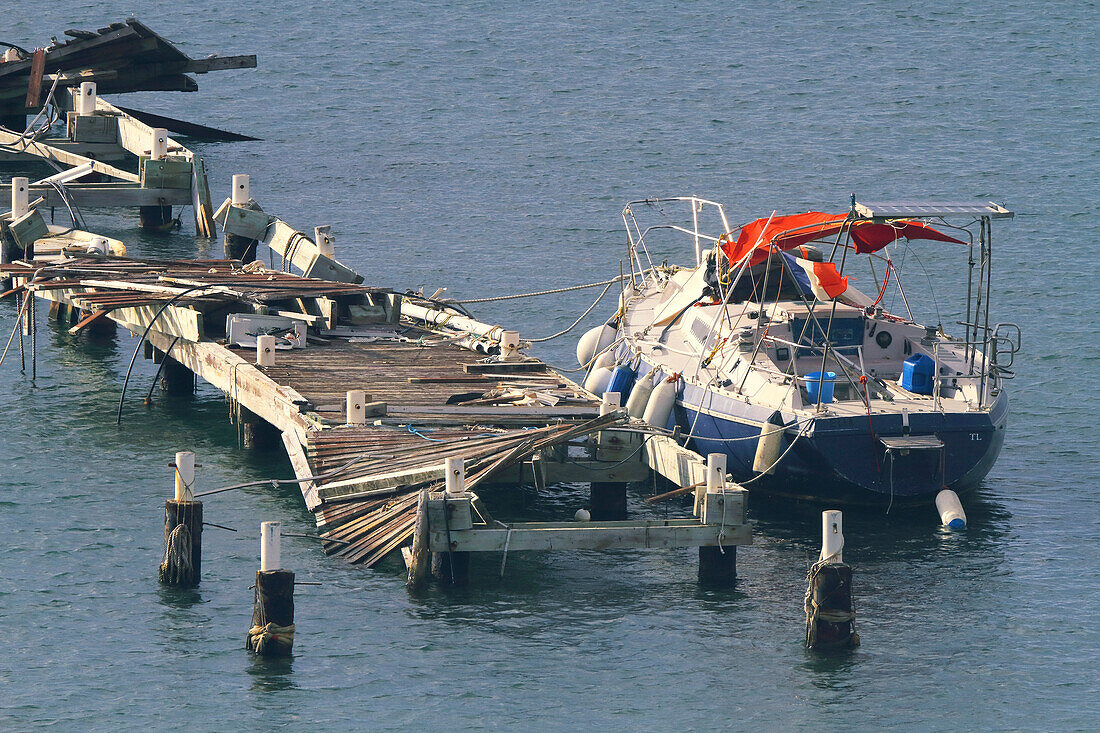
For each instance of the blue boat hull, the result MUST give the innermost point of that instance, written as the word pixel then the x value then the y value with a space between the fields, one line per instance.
pixel 839 460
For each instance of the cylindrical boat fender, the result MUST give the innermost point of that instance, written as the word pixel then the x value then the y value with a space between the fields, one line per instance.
pixel 769 445
pixel 593 341
pixel 622 380
pixel 597 380
pixel 950 509
pixel 661 401
pixel 639 396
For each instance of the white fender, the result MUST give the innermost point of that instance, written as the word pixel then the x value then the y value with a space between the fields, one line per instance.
pixel 639 396
pixel 950 509
pixel 593 341
pixel 660 404
pixel 597 380
pixel 767 447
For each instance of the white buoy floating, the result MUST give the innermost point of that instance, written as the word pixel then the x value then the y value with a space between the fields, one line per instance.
pixel 950 509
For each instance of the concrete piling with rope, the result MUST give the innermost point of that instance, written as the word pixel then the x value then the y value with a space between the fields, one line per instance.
pixel 272 631
pixel 182 564
pixel 830 618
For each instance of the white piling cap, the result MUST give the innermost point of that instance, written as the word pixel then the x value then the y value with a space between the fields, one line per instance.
pixel 832 536
pixel 322 237
pixel 356 404
pixel 185 476
pixel 240 189
pixel 85 100
pixel 456 476
pixel 159 144
pixel 270 546
pixel 20 196
pixel 716 472
pixel 265 350
pixel 610 402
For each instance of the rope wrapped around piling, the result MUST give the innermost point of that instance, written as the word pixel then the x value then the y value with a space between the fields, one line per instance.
pixel 176 568
pixel 259 637
pixel 823 610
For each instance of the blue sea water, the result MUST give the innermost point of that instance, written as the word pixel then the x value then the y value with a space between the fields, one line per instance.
pixel 488 148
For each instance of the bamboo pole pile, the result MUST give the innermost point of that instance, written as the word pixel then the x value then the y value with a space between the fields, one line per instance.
pixel 365 530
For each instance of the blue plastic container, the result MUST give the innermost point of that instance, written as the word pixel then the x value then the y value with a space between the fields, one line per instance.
pixel 918 373
pixel 622 381
pixel 814 382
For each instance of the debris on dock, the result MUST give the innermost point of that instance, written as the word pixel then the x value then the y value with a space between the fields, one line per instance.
pixel 119 58
pixel 382 398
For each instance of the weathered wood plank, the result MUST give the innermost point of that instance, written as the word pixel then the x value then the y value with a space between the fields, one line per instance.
pixel 589 536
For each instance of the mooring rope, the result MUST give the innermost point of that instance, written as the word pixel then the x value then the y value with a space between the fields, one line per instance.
pixel 266 632
pixel 554 291
pixel 579 318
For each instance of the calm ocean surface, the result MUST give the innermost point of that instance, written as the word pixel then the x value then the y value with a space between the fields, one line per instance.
pixel 489 148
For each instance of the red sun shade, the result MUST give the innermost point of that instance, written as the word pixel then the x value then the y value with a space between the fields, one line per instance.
pixel 788 232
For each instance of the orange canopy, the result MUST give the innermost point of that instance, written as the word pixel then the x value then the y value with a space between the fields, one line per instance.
pixel 788 232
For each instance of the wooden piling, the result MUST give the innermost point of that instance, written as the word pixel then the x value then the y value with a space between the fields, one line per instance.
pixel 607 501
pixel 157 218
pixel 182 565
pixel 716 567
pixel 451 567
pixel 272 630
pixel 419 557
pixel 830 618
pixel 257 433
pixel 176 378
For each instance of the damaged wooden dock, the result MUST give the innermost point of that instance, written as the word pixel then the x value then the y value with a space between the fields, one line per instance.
pixel 375 394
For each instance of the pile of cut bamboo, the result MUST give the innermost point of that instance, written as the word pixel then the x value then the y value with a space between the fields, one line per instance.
pixel 363 531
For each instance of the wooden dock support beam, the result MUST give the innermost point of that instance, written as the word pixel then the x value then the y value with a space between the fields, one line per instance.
pixel 607 501
pixel 156 218
pixel 257 433
pixel 176 378
pixel 830 620
pixel 182 563
pixel 272 630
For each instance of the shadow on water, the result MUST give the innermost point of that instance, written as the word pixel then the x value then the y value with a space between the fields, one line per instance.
pixel 181 599
pixel 271 674
pixel 830 669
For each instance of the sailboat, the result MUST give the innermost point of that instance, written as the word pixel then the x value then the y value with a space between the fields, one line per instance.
pixel 765 351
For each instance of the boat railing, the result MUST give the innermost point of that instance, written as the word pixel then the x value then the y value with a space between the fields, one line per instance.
pixel 636 234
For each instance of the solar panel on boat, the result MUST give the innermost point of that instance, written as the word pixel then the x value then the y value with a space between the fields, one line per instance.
pixel 911 209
